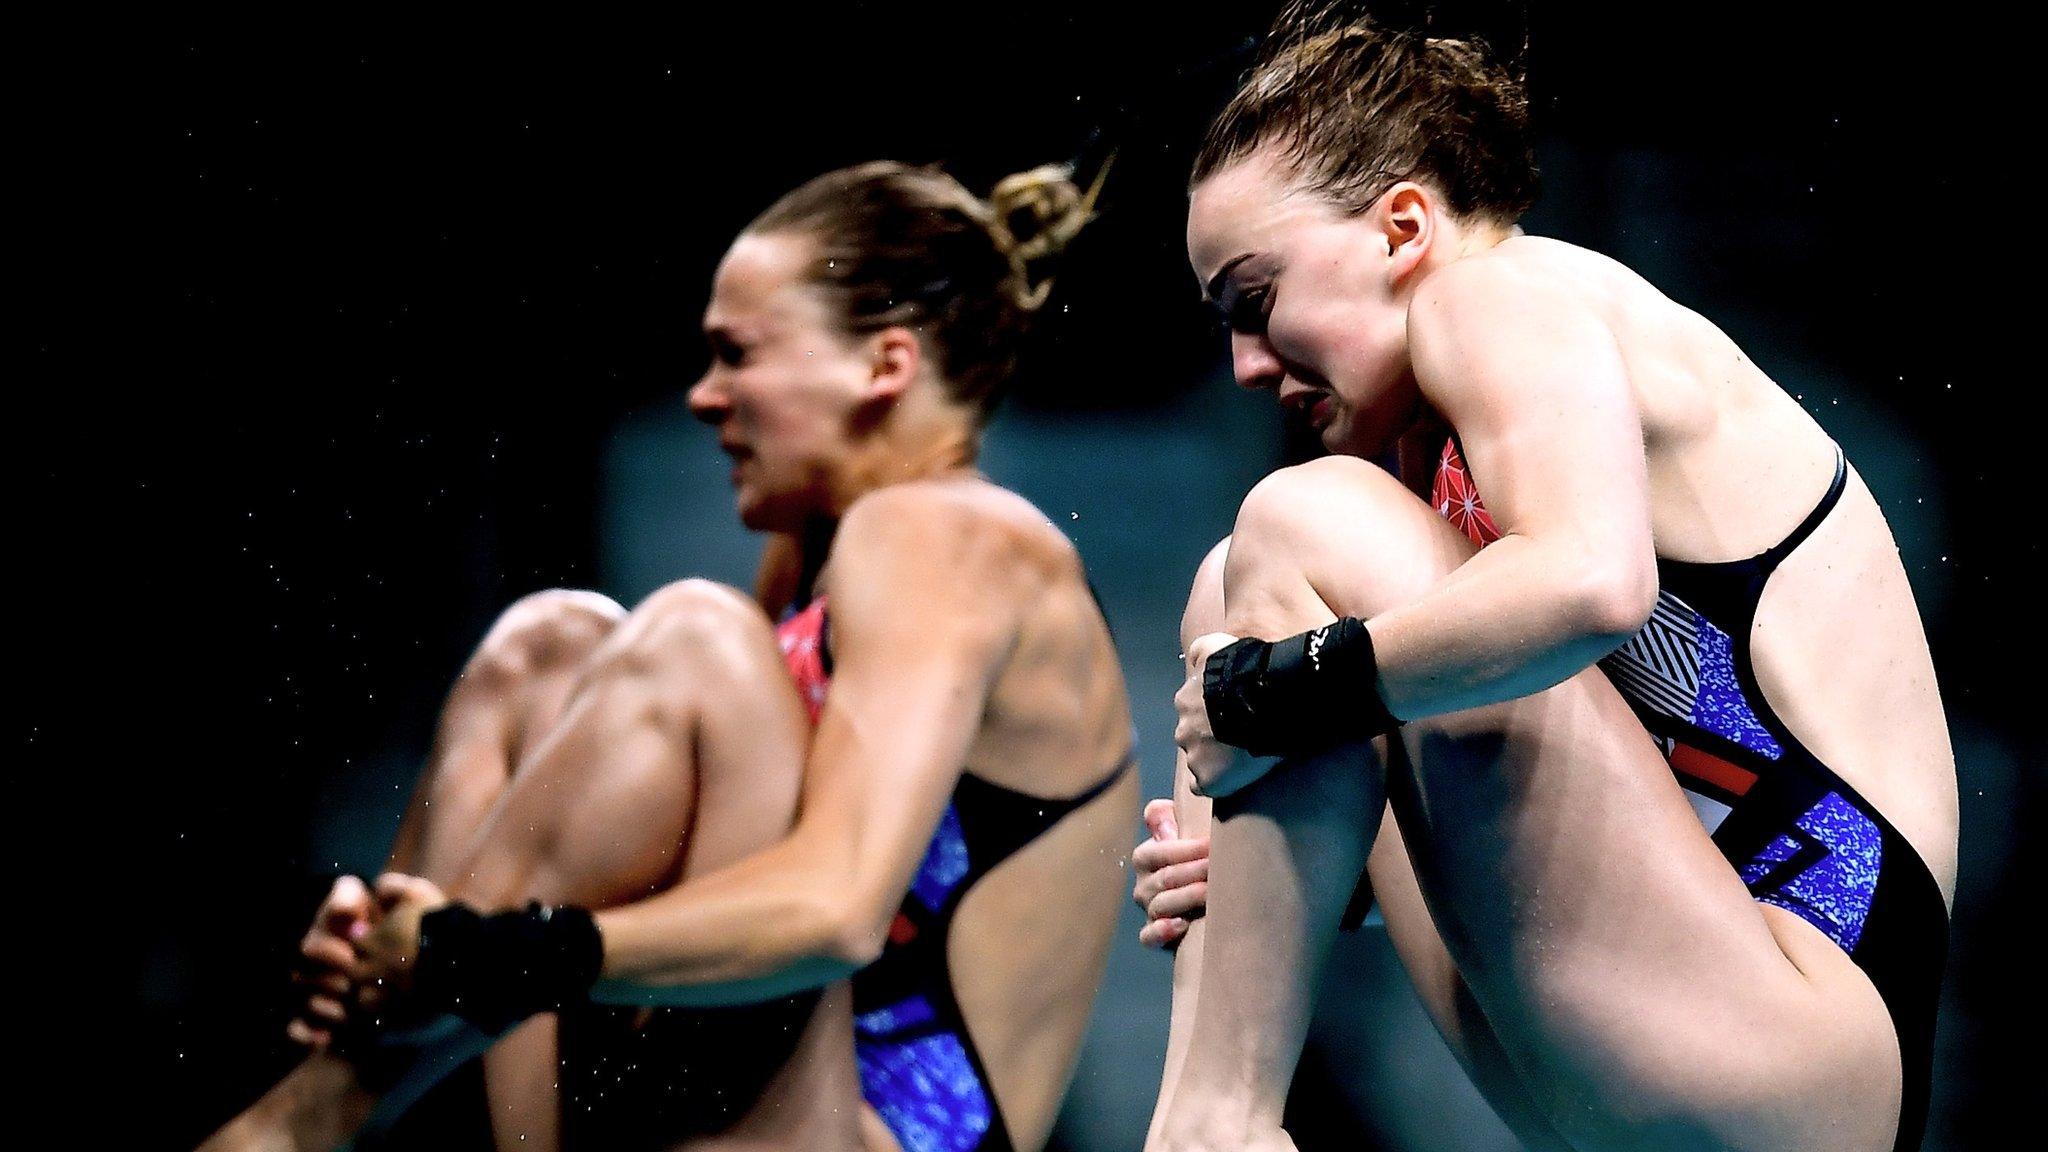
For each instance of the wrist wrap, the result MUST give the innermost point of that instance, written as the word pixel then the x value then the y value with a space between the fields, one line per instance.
pixel 1302 694
pixel 495 971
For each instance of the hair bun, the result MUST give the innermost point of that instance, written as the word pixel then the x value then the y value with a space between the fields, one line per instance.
pixel 1037 213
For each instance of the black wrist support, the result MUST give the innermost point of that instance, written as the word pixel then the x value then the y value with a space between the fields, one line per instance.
pixel 1302 694
pixel 495 971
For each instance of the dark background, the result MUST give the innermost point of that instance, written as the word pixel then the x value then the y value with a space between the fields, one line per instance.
pixel 341 336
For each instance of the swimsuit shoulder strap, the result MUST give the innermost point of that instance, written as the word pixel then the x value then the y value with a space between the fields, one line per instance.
pixel 1806 528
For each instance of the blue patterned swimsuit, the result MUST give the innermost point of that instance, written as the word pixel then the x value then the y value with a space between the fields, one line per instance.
pixel 918 1066
pixel 919 1069
pixel 1800 837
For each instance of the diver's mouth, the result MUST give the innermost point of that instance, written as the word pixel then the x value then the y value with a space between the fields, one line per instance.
pixel 1322 412
pixel 740 454
pixel 1315 405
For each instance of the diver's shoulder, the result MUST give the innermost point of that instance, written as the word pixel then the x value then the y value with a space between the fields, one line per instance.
pixel 969 512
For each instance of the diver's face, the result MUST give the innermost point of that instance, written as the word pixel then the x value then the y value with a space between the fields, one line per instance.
pixel 782 383
pixel 1309 293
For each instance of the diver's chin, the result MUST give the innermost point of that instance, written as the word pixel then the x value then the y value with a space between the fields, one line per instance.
pixel 754 513
pixel 1340 438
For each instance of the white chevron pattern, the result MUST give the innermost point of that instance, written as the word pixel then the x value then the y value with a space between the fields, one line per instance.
pixel 1659 667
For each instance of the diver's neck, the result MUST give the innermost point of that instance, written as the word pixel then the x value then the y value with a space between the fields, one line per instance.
pixel 1465 240
pixel 1418 449
pixel 880 465
pixel 919 439
pixel 1479 236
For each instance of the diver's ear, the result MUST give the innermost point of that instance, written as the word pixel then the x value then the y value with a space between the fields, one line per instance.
pixel 896 357
pixel 1406 216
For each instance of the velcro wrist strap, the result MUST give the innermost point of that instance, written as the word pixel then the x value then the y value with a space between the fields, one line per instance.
pixel 497 970
pixel 1299 695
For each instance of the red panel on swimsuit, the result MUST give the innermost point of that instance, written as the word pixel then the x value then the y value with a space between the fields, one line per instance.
pixel 1456 498
pixel 1713 769
pixel 803 648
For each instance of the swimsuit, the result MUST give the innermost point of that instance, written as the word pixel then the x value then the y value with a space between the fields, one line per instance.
pixel 1799 836
pixel 919 1068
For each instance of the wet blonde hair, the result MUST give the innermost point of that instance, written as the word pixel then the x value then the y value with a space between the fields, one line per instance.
pixel 897 245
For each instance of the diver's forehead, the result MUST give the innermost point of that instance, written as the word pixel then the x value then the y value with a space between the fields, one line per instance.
pixel 1237 211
